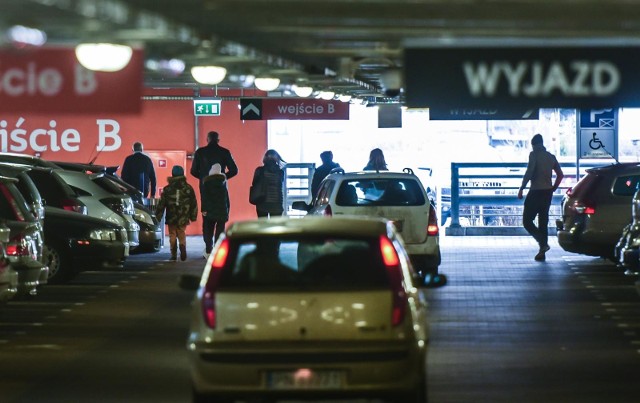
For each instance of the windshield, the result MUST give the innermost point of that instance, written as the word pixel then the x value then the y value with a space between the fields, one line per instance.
pixel 380 192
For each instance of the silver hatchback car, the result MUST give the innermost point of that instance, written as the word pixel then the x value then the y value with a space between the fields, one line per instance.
pixel 308 307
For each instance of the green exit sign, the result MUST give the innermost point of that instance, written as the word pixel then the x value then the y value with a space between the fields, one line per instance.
pixel 206 107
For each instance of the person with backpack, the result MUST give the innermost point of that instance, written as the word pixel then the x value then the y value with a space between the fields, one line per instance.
pixel 269 180
pixel 179 201
pixel 215 207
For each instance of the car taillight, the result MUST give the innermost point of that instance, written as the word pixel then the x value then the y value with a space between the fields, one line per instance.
pixel 432 227
pixel 569 192
pixel 581 208
pixel 392 264
pixel 18 246
pixel 218 261
pixel 74 205
pixel 327 211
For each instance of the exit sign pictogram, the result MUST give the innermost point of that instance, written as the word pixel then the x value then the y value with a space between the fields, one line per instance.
pixel 206 107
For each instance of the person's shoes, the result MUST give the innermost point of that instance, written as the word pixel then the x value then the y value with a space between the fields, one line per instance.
pixel 173 258
pixel 540 257
pixel 183 252
pixel 174 254
pixel 206 253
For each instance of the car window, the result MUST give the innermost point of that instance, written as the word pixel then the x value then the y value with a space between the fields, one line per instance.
pixel 312 263
pixel 27 189
pixel 626 185
pixel 583 189
pixel 380 192
pixel 109 185
pixel 12 204
pixel 51 188
pixel 324 192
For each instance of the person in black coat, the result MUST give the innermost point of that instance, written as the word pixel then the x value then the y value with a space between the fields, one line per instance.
pixel 215 207
pixel 212 153
pixel 322 171
pixel 138 171
pixel 271 173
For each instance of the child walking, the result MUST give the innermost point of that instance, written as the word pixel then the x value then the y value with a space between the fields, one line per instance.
pixel 179 200
pixel 215 206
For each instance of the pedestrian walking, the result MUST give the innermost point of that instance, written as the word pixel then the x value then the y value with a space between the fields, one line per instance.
pixel 178 199
pixel 215 207
pixel 376 161
pixel 323 170
pixel 539 171
pixel 138 171
pixel 270 179
pixel 212 153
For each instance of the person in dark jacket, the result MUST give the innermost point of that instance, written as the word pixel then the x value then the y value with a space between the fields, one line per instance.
pixel 138 171
pixel 272 173
pixel 179 200
pixel 215 207
pixel 376 161
pixel 212 153
pixel 322 171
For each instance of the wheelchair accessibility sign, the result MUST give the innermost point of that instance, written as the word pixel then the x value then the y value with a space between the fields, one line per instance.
pixel 598 133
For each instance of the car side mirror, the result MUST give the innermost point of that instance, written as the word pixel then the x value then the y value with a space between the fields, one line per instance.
pixel 189 282
pixel 300 205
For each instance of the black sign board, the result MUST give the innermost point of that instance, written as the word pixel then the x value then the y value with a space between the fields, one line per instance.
pixel 436 113
pixel 522 77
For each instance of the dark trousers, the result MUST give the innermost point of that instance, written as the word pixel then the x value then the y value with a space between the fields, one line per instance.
pixel 211 230
pixel 537 204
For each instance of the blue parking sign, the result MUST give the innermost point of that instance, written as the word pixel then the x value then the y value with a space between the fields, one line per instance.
pixel 598 118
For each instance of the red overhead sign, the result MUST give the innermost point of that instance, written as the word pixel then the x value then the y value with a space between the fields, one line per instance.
pixel 51 80
pixel 293 109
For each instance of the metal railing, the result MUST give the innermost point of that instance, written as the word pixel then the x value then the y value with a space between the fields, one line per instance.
pixel 486 194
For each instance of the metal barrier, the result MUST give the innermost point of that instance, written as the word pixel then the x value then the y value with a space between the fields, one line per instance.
pixel 486 194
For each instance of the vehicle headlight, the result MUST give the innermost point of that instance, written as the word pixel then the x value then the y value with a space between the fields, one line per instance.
pixel 143 216
pixel 103 235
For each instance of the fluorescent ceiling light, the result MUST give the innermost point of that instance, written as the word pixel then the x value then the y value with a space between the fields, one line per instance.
pixel 344 98
pixel 326 95
pixel 266 84
pixel 103 56
pixel 302 92
pixel 209 75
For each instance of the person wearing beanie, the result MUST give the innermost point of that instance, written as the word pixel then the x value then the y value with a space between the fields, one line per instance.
pixel 179 201
pixel 539 171
pixel 215 207
pixel 323 170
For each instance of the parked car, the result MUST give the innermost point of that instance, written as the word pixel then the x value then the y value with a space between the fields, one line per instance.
pixel 627 250
pixel 76 242
pixel 104 201
pixel 308 307
pixel 397 196
pixel 26 159
pixel 8 276
pixel 27 188
pixel 25 245
pixel 150 234
pixel 596 210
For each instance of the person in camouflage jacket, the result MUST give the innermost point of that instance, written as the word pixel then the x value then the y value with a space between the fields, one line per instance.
pixel 179 200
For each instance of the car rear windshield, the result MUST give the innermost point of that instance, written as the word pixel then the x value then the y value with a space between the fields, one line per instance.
pixel 586 186
pixel 626 185
pixel 12 204
pixel 380 192
pixel 318 263
pixel 109 185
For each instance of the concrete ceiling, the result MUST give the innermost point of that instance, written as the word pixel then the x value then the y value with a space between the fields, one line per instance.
pixel 343 45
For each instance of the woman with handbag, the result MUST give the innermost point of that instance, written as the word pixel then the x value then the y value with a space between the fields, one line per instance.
pixel 267 188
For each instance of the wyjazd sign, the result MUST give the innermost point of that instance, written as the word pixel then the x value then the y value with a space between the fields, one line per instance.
pixel 523 77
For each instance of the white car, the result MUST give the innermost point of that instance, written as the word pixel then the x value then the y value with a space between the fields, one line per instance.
pixel 312 307
pixel 103 201
pixel 397 196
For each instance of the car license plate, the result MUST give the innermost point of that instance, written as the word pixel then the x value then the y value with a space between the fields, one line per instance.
pixel 305 379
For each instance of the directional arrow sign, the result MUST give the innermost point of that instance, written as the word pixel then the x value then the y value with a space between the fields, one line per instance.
pixel 206 107
pixel 292 109
pixel 251 108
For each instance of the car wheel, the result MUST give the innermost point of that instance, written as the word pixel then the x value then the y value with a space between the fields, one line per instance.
pixel 60 270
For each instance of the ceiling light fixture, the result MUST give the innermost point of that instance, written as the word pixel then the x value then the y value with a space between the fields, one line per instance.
pixel 302 91
pixel 266 84
pixel 344 98
pixel 103 56
pixel 208 75
pixel 326 95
